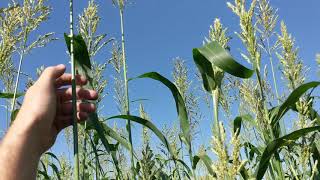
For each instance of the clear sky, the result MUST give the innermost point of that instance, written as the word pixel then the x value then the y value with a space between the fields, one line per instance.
pixel 158 31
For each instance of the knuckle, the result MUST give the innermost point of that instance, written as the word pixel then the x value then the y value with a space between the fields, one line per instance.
pixel 48 70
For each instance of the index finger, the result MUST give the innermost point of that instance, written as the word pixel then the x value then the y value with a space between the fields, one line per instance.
pixel 66 79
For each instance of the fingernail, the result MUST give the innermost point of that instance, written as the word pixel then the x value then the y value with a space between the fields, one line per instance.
pixel 61 66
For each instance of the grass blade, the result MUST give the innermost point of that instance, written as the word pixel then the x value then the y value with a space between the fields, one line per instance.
pixel 206 160
pixel 180 104
pixel 10 95
pixel 213 54
pixel 278 143
pixel 83 67
pixel 278 112
pixel 114 135
pixel 149 125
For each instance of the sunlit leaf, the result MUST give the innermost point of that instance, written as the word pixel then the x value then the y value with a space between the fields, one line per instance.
pixel 149 125
pixel 206 161
pixel 180 104
pixel 277 113
pixel 274 146
pixel 212 54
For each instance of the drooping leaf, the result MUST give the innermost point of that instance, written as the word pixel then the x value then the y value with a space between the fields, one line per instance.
pixel 53 156
pixel 55 170
pixel 274 146
pixel 252 150
pixel 277 113
pixel 96 155
pixel 100 130
pixel 113 134
pixel 149 125
pixel 180 104
pixel 206 160
pixel 166 161
pixel 213 54
pixel 44 174
pixel 10 95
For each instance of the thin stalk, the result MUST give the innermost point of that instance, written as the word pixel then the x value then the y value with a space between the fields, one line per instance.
pixel 215 102
pixel 128 126
pixel 74 100
pixel 84 151
pixel 22 53
pixel 282 127
pixel 276 162
pixel 273 72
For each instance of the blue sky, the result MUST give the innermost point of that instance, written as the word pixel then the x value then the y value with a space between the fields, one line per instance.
pixel 157 32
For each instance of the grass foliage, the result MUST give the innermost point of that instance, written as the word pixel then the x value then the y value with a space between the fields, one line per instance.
pixel 258 144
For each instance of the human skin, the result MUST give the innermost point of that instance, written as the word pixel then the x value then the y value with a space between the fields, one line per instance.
pixel 46 110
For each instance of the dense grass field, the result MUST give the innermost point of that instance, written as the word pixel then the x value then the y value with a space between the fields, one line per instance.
pixel 244 106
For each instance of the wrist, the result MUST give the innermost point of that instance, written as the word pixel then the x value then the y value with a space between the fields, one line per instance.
pixel 22 134
pixel 18 151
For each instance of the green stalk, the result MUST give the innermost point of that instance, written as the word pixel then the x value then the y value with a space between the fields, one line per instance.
pixel 84 151
pixel 275 162
pixel 282 127
pixel 74 100
pixel 128 126
pixel 215 102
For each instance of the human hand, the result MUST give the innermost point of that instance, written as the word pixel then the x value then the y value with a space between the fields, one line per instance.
pixel 47 108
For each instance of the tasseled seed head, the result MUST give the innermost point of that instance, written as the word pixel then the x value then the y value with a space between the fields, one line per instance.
pixel 180 76
pixel 267 17
pixel 248 30
pixel 222 167
pixel 219 34
pixel 292 67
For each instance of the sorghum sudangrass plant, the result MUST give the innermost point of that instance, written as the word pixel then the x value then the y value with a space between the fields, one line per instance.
pixel 17 22
pixel 254 145
pixel 121 5
pixel 76 174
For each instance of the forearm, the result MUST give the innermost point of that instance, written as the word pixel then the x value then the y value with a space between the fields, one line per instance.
pixel 19 156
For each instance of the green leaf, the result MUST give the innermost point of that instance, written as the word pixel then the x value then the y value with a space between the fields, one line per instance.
pixel 273 147
pixel 100 130
pixel 115 135
pixel 14 115
pixel 316 156
pixel 149 125
pixel 81 58
pixel 253 150
pixel 53 156
pixel 95 151
pixel 180 104
pixel 10 95
pixel 278 112
pixel 44 174
pixel 83 67
pixel 213 54
pixel 55 170
pixel 206 160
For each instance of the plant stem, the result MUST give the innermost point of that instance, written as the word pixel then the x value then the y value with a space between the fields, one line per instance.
pixel 215 103
pixel 74 99
pixel 84 151
pixel 282 127
pixel 126 90
pixel 276 162
pixel 22 53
